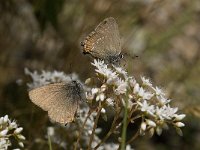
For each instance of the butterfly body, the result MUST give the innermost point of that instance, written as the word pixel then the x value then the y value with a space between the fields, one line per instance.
pixel 104 42
pixel 61 100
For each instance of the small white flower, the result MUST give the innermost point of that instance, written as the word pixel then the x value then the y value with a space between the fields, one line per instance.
pixel 110 101
pixel 162 100
pixel 121 71
pixel 13 125
pixel 112 78
pixel 94 90
pixel 145 107
pixel 121 87
pixel 159 91
pixel 147 95
pixel 146 81
pixel 166 112
pixel 132 81
pixel 141 92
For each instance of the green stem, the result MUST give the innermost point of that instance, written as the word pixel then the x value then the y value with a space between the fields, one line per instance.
pixel 49 142
pixel 123 142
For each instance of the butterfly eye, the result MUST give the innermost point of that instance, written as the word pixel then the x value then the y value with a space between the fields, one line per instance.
pixel 74 82
pixel 105 22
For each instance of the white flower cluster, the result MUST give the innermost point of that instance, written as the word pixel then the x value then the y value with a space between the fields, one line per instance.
pixel 47 77
pixel 150 101
pixel 9 129
pixel 112 87
pixel 113 146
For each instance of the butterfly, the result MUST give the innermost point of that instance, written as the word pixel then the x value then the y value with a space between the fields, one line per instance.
pixel 104 42
pixel 61 100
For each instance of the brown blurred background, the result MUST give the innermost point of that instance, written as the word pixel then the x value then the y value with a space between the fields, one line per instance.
pixel 46 34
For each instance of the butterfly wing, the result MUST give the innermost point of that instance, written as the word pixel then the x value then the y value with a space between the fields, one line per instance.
pixel 45 95
pixel 64 109
pixel 57 100
pixel 104 41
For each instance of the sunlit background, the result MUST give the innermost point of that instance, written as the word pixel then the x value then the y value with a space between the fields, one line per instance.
pixel 46 34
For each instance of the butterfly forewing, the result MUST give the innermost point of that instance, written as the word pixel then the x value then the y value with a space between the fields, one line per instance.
pixel 104 41
pixel 57 99
pixel 44 96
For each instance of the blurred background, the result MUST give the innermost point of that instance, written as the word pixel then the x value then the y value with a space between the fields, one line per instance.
pixel 46 34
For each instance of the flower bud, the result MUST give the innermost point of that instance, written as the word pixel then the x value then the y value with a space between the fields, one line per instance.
pixel 90 132
pixel 179 117
pixel 103 110
pixel 179 124
pixel 150 123
pixel 4 132
pixel 179 131
pixel 21 137
pixel 5 118
pixel 151 132
pixel 101 97
pixel 88 81
pixel 103 87
pixel 18 130
pixel 1 120
pixel 143 126
pixel 159 130
pixel 21 144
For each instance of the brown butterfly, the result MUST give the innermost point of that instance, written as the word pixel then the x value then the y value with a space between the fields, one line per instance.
pixel 104 42
pixel 61 100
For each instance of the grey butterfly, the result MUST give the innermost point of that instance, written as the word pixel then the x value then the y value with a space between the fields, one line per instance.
pixel 104 42
pixel 61 100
